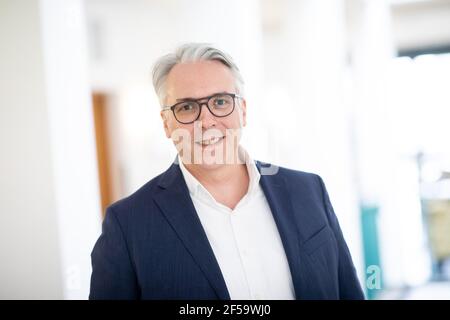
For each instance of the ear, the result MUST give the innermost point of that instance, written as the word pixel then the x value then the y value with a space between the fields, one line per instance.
pixel 163 115
pixel 244 112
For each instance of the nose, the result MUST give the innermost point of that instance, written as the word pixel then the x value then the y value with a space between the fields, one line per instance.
pixel 206 117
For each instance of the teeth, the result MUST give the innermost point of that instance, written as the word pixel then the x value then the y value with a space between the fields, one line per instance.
pixel 210 141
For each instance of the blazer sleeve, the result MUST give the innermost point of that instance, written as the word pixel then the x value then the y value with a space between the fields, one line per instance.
pixel 349 286
pixel 113 275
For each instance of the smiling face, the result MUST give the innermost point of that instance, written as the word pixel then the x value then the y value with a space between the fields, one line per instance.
pixel 209 141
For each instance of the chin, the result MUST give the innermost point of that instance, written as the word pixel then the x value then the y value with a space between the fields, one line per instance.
pixel 211 166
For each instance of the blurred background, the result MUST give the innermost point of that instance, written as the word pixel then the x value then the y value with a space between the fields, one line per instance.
pixel 356 91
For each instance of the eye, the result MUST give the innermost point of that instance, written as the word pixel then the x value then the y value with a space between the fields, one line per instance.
pixel 222 101
pixel 186 107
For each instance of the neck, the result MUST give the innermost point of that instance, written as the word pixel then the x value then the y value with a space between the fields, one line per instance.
pixel 227 183
pixel 228 173
pixel 224 174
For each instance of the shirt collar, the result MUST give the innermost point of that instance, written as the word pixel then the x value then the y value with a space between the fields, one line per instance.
pixel 195 187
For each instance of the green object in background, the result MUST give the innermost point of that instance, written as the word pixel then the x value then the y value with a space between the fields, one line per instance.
pixel 369 217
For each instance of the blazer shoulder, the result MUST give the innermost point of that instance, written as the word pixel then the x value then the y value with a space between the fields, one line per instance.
pixel 299 182
pixel 297 174
pixel 136 201
pixel 291 174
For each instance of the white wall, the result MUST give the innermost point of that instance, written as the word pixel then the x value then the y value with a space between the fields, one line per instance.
pixel 50 200
pixel 29 250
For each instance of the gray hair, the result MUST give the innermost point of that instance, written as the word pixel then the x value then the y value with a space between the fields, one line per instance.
pixel 191 52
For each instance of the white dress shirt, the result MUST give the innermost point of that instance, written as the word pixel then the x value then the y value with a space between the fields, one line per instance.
pixel 245 241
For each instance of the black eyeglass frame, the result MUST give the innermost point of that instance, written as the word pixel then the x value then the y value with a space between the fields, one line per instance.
pixel 198 101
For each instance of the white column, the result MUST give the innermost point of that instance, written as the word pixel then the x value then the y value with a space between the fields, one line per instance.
pixel 51 214
pixel 30 266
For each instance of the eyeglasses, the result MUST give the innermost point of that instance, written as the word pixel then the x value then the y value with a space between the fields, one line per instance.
pixel 188 110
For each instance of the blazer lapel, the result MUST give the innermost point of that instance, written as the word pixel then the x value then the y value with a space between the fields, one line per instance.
pixel 176 204
pixel 278 197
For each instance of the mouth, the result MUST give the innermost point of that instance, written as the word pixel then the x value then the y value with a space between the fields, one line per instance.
pixel 210 141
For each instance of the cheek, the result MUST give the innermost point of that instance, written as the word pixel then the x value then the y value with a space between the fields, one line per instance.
pixel 171 126
pixel 179 132
pixel 235 121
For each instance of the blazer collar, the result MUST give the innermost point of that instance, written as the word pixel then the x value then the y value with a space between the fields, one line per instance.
pixel 278 196
pixel 176 205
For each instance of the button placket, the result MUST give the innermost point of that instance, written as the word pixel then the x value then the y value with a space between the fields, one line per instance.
pixel 247 257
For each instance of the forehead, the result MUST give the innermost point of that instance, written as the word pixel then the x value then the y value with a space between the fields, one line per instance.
pixel 199 79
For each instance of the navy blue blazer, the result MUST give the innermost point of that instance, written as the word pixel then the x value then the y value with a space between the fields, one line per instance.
pixel 153 245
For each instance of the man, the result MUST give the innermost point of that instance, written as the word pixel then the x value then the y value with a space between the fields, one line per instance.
pixel 216 224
